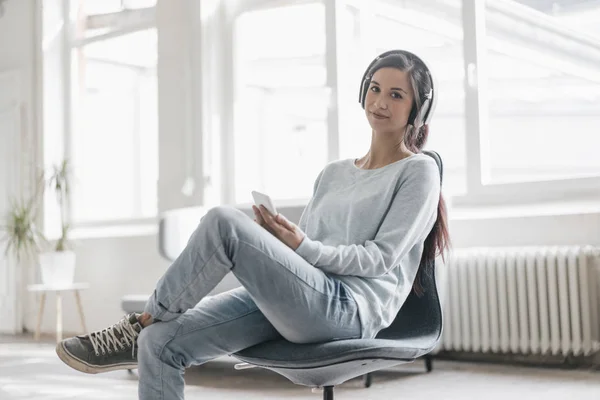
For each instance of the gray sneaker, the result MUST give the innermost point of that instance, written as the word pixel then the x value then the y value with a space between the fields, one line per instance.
pixel 110 349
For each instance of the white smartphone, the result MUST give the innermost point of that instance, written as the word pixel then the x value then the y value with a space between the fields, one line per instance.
pixel 265 200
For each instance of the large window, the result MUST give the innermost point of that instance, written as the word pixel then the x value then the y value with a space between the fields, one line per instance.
pixel 518 85
pixel 114 145
pixel 296 77
pixel 543 91
pixel 100 107
pixel 280 115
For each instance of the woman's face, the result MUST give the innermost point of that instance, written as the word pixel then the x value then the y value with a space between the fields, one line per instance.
pixel 389 100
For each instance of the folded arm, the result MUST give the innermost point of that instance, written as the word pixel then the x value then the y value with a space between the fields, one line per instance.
pixel 408 221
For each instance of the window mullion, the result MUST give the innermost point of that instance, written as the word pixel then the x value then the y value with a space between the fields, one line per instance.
pixel 331 64
pixel 208 63
pixel 476 115
pixel 69 34
pixel 196 118
pixel 137 156
pixel 226 57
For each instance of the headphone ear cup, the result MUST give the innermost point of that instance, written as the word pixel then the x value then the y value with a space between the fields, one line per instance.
pixel 363 91
pixel 360 92
pixel 412 116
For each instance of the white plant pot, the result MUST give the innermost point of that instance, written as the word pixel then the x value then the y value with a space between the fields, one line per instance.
pixel 57 267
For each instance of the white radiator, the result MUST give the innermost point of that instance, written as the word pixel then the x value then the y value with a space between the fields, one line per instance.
pixel 526 300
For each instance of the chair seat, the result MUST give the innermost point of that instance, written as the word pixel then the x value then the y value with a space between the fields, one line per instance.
pixel 134 302
pixel 284 354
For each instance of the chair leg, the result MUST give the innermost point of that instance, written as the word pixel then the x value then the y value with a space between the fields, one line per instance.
pixel 368 380
pixel 428 363
pixel 328 393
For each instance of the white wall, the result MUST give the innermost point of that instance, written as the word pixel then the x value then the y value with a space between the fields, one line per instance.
pixel 179 122
pixel 18 55
pixel 558 229
pixel 116 266
pixel 17 26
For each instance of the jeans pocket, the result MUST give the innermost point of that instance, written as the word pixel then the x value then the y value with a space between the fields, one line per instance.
pixel 350 310
pixel 346 324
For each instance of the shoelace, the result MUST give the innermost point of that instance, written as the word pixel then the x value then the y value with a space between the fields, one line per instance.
pixel 102 340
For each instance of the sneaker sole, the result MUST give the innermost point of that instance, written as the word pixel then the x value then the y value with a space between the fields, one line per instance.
pixel 82 366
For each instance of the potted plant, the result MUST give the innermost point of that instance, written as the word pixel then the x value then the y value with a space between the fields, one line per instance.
pixel 58 265
pixel 22 237
pixel 21 233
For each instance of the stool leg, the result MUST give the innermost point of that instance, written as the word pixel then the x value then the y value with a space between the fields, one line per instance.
pixel 80 309
pixel 38 327
pixel 328 393
pixel 58 317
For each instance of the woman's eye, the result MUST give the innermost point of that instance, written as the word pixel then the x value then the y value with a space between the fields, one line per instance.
pixel 374 89
pixel 396 95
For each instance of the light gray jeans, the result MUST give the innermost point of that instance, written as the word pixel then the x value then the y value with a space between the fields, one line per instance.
pixel 282 295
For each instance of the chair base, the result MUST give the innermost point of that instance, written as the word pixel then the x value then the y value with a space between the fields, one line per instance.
pixel 334 374
pixel 328 389
pixel 368 378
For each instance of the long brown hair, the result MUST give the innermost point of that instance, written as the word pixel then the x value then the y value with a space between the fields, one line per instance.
pixel 438 239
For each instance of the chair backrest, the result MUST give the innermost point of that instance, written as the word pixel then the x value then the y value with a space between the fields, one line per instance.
pixel 420 317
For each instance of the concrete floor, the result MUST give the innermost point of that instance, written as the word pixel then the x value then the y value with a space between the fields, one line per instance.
pixel 30 370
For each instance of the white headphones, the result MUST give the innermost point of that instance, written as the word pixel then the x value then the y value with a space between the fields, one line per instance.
pixel 425 112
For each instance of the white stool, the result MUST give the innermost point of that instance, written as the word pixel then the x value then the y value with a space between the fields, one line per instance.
pixel 75 287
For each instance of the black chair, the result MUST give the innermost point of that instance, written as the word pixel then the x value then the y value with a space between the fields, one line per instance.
pixel 414 333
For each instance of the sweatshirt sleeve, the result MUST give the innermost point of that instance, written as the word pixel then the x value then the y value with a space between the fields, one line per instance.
pixel 408 221
pixel 304 216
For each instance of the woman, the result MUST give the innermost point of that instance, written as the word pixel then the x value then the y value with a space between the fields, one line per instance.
pixel 366 235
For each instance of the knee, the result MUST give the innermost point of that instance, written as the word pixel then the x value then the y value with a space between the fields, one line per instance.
pixel 154 339
pixel 150 342
pixel 221 213
pixel 223 217
pixel 153 345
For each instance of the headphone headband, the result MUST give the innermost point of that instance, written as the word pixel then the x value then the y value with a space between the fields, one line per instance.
pixel 427 107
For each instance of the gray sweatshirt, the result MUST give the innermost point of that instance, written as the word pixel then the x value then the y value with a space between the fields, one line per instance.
pixel 367 228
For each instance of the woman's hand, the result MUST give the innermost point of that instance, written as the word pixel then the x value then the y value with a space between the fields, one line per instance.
pixel 279 227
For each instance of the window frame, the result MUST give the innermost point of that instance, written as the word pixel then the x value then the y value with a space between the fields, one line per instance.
pixel 121 23
pixel 480 191
pixel 232 10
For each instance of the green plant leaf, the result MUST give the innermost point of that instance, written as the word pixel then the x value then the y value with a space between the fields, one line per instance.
pixel 21 236
pixel 21 233
pixel 59 182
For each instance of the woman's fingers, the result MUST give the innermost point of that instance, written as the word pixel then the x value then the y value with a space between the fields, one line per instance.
pixel 266 215
pixel 284 221
pixel 281 228
pixel 276 221
pixel 258 215
pixel 271 221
